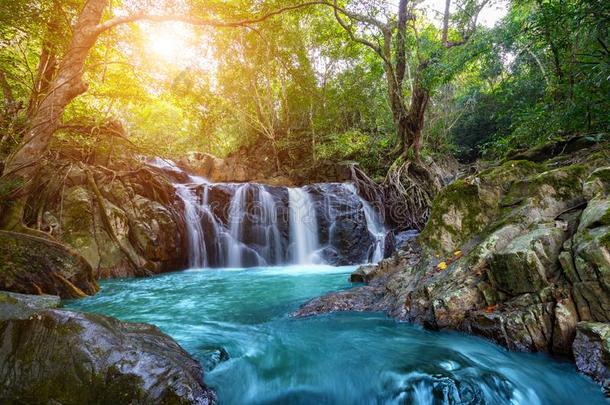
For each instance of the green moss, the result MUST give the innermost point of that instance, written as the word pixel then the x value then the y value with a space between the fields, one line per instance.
pixel 511 171
pixel 603 174
pixel 460 200
pixel 605 240
pixel 605 219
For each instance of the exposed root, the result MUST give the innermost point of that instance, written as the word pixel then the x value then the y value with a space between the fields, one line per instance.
pixel 409 189
pixel 75 292
pixel 134 261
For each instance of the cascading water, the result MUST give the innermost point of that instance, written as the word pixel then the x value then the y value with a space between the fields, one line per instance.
pixel 253 227
pixel 192 216
pixel 374 226
pixel 304 241
pixel 250 225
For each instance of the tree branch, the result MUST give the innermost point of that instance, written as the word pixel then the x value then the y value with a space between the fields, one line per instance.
pixel 202 21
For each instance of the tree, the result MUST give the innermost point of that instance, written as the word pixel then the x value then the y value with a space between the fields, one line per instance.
pixel 61 81
pixel 391 45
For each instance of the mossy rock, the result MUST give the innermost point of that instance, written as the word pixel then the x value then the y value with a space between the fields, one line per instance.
pixel 56 356
pixel 529 262
pixel 32 265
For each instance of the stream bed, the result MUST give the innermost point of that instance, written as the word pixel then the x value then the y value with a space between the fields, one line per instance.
pixel 348 358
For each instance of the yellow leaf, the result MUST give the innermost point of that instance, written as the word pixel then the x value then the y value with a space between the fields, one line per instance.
pixel 457 253
pixel 442 266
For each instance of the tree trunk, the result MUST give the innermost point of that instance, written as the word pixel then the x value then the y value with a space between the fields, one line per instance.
pixel 67 84
pixel 415 119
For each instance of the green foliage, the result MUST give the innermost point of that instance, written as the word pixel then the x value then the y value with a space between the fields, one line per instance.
pixel 299 84
pixel 545 75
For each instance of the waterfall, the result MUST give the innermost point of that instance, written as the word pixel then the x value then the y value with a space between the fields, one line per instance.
pixel 249 224
pixel 192 216
pixel 374 226
pixel 303 226
pixel 253 227
pixel 237 216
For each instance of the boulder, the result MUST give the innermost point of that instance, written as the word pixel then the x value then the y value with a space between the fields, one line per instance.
pixel 33 265
pixel 364 274
pixel 57 356
pixel 529 262
pixel 144 238
pixel 592 351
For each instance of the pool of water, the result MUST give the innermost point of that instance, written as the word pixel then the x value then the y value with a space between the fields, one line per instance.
pixel 344 358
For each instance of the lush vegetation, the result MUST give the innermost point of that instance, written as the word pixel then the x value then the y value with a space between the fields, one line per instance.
pixel 305 83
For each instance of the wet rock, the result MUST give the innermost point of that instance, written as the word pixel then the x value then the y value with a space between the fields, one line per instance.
pixel 592 351
pixel 402 238
pixel 564 330
pixel 87 358
pixel 33 265
pixel 30 301
pixel 527 328
pixel 143 234
pixel 362 299
pixel 212 357
pixel 364 274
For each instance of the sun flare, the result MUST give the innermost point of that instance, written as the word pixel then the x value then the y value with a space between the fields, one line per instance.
pixel 178 44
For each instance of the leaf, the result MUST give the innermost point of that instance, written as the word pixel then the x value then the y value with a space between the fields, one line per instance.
pixel 442 266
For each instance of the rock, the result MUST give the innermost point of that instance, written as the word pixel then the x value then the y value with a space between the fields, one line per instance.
pixel 529 262
pixel 56 356
pixel 522 328
pixel 525 253
pixel 232 169
pixel 598 183
pixel 363 299
pixel 341 224
pixel 564 330
pixel 30 301
pixel 213 357
pixel 592 351
pixel 146 237
pixel 364 274
pixel 402 238
pixel 467 206
pixel 32 265
pixel 587 263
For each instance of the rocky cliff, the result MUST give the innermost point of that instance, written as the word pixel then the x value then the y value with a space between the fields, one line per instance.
pixel 124 220
pixel 518 253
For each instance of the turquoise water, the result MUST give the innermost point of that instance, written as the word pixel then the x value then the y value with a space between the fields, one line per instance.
pixel 335 359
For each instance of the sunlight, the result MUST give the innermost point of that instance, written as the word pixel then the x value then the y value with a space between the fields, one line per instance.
pixel 170 41
pixel 178 44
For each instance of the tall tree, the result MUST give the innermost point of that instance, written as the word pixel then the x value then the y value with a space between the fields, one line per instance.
pixel 58 86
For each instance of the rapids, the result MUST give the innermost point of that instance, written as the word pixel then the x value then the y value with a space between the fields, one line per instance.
pixel 349 358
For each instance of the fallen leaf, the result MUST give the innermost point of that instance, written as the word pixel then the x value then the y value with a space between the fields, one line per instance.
pixel 442 266
pixel 490 309
pixel 458 253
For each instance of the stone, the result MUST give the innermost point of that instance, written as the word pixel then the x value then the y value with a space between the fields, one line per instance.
pixel 564 328
pixel 148 236
pixel 33 265
pixel 213 357
pixel 597 184
pixel 363 274
pixel 529 262
pixel 57 356
pixel 592 351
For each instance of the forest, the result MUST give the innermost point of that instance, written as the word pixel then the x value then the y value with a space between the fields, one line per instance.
pixel 449 157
